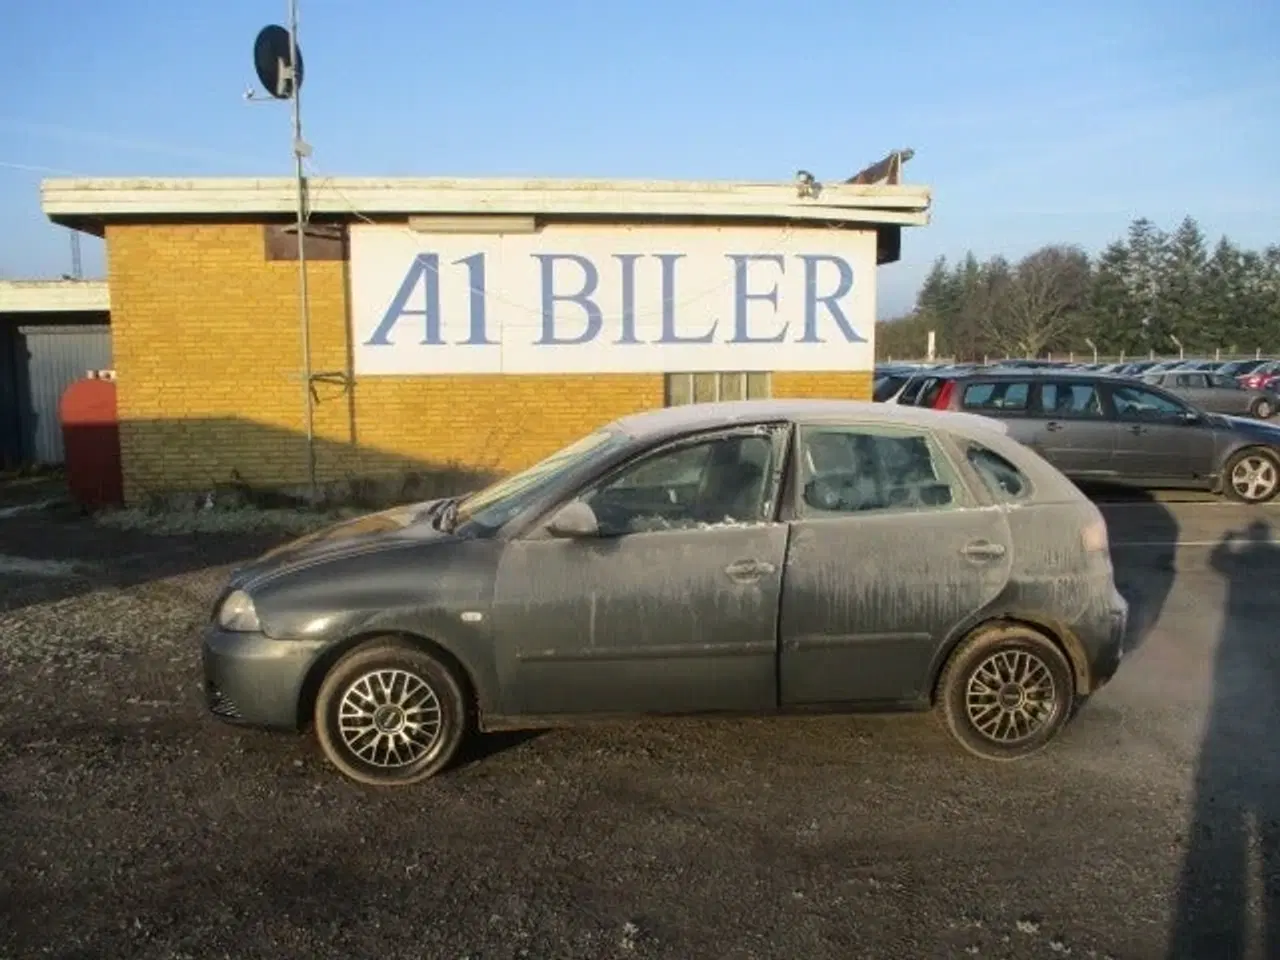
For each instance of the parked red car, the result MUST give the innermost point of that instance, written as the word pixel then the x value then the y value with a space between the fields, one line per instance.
pixel 1263 377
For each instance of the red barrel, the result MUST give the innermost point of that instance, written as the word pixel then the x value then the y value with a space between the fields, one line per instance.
pixel 91 438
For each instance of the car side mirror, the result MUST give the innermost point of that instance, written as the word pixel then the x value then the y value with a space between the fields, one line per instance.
pixel 574 520
pixel 1190 417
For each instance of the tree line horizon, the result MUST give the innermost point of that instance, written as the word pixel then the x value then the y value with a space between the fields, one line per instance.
pixel 1148 292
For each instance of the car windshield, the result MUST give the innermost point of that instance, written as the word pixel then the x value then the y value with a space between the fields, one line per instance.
pixel 497 503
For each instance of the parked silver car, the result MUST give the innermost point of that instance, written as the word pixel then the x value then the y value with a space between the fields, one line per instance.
pixel 743 557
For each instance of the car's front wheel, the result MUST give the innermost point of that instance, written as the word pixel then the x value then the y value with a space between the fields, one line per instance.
pixel 1253 476
pixel 1006 692
pixel 389 714
pixel 1262 408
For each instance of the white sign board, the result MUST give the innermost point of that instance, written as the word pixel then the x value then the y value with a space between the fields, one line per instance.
pixel 612 299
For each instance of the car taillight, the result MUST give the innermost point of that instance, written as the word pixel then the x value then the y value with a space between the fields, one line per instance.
pixel 944 395
pixel 1095 537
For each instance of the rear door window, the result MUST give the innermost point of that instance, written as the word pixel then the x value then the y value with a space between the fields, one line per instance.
pixel 1062 400
pixel 1000 396
pixel 855 469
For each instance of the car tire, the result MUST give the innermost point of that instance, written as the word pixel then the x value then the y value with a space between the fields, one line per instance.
pixel 1262 465
pixel 1262 409
pixel 363 725
pixel 1006 661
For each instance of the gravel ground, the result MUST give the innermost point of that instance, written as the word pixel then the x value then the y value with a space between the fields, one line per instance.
pixel 135 826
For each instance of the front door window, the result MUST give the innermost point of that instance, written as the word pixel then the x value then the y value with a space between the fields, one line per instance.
pixel 1146 406
pixel 726 479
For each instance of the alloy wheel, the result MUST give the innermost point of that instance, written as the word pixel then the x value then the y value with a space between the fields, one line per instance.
pixel 1254 478
pixel 389 718
pixel 1010 696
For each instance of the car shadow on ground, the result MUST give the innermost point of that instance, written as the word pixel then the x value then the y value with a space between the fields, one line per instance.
pixel 1231 871
pixel 1143 534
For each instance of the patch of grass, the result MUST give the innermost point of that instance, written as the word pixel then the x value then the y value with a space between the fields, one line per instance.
pixel 238 507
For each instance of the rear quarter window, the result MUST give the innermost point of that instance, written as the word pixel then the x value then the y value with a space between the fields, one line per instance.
pixel 1005 481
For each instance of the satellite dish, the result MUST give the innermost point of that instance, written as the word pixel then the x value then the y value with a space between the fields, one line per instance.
pixel 271 60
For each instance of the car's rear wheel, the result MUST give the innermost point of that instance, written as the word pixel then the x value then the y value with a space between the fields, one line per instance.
pixel 1252 476
pixel 1262 408
pixel 389 714
pixel 1006 692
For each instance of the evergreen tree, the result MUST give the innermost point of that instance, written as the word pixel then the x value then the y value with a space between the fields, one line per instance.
pixel 1223 312
pixel 1112 314
pixel 1181 285
pixel 1147 245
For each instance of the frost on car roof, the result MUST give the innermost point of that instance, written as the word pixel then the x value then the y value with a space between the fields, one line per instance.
pixel 693 416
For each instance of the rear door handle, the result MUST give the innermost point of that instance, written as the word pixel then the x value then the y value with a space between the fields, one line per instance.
pixel 983 550
pixel 748 569
pixel 1053 425
pixel 1137 428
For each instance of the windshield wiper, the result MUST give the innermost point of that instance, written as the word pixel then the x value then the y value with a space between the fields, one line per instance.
pixel 444 514
pixel 449 515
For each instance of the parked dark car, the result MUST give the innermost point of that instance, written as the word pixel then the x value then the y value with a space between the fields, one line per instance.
pixel 742 557
pixel 1238 368
pixel 1115 430
pixel 1137 368
pixel 889 381
pixel 1215 392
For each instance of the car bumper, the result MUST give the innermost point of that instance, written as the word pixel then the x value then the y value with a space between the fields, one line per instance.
pixel 1104 637
pixel 251 679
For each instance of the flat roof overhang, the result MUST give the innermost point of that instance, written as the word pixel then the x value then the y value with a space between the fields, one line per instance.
pixel 54 296
pixel 89 205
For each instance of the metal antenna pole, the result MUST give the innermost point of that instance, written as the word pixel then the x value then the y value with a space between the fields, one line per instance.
pixel 77 267
pixel 304 307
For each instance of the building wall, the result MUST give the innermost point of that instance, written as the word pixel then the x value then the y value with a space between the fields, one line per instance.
pixel 208 359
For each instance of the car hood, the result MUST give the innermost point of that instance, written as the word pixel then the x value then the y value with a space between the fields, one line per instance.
pixel 1262 431
pixel 373 532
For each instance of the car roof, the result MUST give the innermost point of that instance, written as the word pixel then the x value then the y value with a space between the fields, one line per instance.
pixel 1040 373
pixel 672 421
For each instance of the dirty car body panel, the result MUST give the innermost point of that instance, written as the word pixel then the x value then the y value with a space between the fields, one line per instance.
pixel 792 555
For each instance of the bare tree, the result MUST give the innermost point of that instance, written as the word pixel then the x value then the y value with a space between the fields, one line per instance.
pixel 1035 305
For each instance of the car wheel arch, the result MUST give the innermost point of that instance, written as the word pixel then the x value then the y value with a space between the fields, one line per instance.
pixel 323 664
pixel 1051 630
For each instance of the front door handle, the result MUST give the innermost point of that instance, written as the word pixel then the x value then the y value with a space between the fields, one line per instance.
pixel 748 569
pixel 1053 426
pixel 1136 428
pixel 983 550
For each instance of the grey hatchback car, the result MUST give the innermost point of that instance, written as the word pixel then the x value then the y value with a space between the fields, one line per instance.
pixel 1216 392
pixel 750 557
pixel 1113 430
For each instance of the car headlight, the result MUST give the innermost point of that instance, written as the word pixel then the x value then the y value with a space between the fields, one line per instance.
pixel 237 613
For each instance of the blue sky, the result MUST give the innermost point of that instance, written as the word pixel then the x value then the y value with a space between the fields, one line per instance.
pixel 1032 122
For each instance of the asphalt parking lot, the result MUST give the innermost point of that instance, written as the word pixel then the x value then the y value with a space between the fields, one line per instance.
pixel 135 826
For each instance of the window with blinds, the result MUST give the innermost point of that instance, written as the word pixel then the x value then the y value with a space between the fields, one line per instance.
pixel 709 387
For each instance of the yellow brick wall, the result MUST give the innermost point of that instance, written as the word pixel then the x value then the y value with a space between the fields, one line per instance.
pixel 207 354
